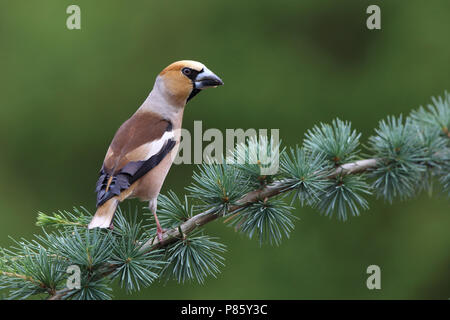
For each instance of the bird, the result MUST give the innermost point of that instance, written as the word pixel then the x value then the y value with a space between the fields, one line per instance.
pixel 144 147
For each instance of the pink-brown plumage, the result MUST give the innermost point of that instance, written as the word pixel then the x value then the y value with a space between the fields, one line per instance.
pixel 143 149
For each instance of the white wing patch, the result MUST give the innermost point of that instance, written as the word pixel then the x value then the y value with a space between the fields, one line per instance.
pixel 155 146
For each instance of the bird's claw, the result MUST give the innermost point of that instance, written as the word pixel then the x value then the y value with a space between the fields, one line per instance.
pixel 159 233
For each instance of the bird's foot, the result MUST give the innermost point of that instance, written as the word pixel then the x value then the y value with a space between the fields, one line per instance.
pixel 159 233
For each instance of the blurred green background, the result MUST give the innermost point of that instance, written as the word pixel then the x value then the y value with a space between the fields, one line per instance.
pixel 285 64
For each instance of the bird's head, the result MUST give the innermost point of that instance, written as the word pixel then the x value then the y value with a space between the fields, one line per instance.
pixel 185 79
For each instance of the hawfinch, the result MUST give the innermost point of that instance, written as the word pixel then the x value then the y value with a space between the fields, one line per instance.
pixel 144 147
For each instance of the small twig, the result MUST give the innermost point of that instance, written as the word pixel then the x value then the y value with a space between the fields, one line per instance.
pixel 60 294
pixel 355 167
pixel 23 277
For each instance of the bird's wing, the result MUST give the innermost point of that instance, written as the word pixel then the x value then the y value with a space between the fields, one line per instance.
pixel 138 146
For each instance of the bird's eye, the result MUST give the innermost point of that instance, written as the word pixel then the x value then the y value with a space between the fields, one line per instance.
pixel 187 71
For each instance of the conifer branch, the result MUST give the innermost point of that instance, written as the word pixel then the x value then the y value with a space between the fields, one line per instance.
pixel 269 191
pixel 199 220
pixel 406 156
pixel 23 277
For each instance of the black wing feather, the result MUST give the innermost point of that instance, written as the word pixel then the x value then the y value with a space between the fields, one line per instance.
pixel 129 174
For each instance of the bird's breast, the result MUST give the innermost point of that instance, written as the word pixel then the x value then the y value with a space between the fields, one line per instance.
pixel 149 186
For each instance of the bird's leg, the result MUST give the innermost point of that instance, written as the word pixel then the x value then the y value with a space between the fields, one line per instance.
pixel 159 230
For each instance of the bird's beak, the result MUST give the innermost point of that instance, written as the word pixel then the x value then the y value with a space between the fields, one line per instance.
pixel 207 79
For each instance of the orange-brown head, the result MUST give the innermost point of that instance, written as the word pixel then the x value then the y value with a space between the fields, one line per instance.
pixel 185 79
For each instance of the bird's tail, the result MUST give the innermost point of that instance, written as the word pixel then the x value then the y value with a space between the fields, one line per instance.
pixel 105 214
